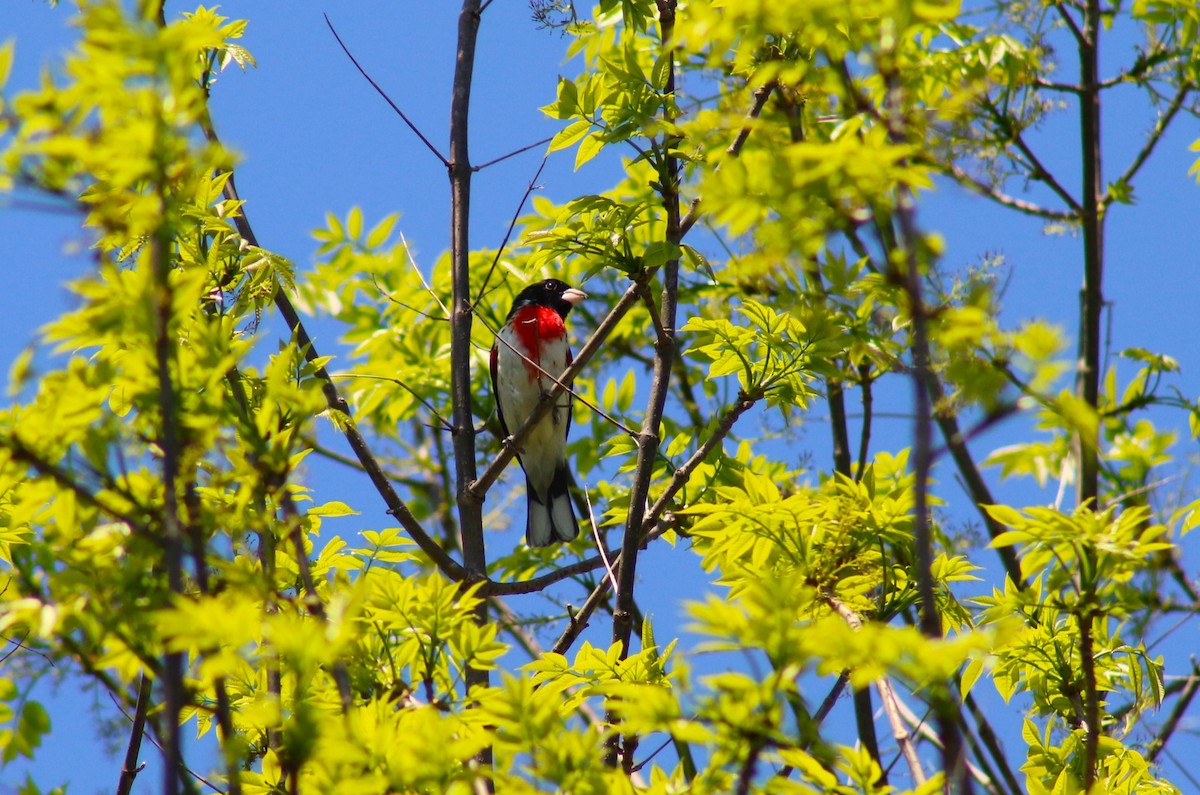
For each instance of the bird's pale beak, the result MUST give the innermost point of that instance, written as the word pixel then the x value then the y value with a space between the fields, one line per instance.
pixel 573 296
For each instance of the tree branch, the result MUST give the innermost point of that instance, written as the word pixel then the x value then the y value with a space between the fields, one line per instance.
pixel 1037 170
pixel 339 408
pixel 170 451
pixel 386 98
pixel 1156 135
pixel 664 349
pixel 130 768
pixel 977 185
pixel 761 95
pixel 1159 743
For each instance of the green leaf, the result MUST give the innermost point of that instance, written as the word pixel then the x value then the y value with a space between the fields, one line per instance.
pixel 382 231
pixel 332 509
pixel 7 51
pixel 661 71
pixel 570 134
pixel 568 99
pixel 589 147
pixel 1005 515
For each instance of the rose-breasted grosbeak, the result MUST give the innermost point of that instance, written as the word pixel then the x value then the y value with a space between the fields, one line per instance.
pixel 530 351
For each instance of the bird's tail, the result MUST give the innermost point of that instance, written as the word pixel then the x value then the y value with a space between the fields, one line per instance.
pixel 550 517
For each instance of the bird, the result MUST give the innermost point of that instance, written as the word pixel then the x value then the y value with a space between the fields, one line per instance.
pixel 530 351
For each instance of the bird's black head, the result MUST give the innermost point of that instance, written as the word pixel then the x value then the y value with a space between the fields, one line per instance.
pixel 552 293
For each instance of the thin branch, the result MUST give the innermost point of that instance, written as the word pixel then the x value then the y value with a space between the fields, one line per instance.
pixel 514 153
pixel 130 768
pixel 579 619
pixel 312 599
pixel 977 185
pixel 386 98
pixel 442 422
pixel 345 460
pixel 1156 135
pixel 988 737
pixel 1080 37
pixel 608 567
pixel 418 312
pixel 649 530
pixel 25 454
pixel 1159 743
pixel 972 478
pixel 1050 85
pixel 1037 170
pixel 413 262
pixel 683 474
pixel 483 287
pixel 150 719
pixel 537 584
pixel 761 95
pixel 343 418
pixel 887 696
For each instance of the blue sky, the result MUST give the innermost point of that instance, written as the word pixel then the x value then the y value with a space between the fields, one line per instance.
pixel 315 138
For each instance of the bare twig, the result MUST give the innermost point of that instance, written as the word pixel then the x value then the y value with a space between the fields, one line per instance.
pixel 341 409
pixel 608 568
pixel 130 768
pixel 312 599
pixel 1070 22
pixel 887 696
pixel 170 447
pixel 1036 169
pixel 513 153
pixel 1159 743
pixel 761 95
pixel 977 185
pixel 973 481
pixel 150 719
pixel 386 98
pixel 1156 135
pixel 483 287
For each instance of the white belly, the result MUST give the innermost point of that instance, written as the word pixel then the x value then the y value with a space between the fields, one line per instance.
pixel 519 388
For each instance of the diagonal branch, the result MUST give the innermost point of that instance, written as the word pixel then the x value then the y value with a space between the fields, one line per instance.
pixel 761 95
pixel 1036 169
pixel 1156 135
pixel 513 153
pixel 386 98
pixel 483 287
pixel 339 408
pixel 130 767
pixel 977 185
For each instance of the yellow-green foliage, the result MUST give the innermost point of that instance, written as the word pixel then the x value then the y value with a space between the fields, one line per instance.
pixel 155 503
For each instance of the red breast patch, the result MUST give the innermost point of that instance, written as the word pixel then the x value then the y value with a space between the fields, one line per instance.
pixel 535 325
